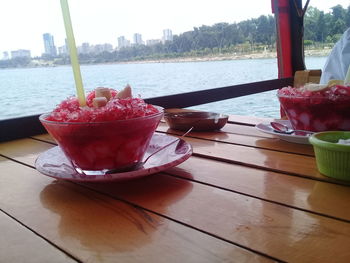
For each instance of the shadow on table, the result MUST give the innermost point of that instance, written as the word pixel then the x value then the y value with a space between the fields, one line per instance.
pixel 104 224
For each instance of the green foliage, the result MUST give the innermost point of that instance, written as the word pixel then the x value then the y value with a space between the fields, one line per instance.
pixel 321 27
pixel 253 35
pixel 308 42
pixel 221 38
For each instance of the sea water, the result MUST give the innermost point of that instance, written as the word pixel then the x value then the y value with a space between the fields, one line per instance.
pixel 29 91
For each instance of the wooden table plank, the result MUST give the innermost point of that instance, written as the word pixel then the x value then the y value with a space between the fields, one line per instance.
pixel 278 161
pixel 280 188
pixel 26 150
pixel 319 197
pixel 292 164
pixel 249 120
pixel 281 232
pixel 96 228
pixel 245 130
pixel 259 225
pixel 245 140
pixel 44 137
pixel 18 244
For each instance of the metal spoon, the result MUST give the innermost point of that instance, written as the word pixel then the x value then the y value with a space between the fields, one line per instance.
pixel 167 145
pixel 281 128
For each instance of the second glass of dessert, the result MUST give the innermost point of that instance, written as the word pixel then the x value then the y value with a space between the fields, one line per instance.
pixel 316 107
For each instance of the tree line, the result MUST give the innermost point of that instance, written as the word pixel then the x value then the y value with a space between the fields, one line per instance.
pixel 321 27
pixel 253 35
pixel 243 37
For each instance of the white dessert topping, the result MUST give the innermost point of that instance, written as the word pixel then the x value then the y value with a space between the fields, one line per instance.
pixel 103 92
pixel 125 93
pixel 313 87
pixel 99 102
pixel 344 141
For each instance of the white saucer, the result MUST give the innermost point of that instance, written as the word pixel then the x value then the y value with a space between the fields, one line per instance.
pixel 55 164
pixel 266 128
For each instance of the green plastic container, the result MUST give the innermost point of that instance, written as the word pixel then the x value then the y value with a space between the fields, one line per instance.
pixel 333 159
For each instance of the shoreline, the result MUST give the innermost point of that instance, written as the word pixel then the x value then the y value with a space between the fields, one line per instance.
pixel 263 55
pixel 218 57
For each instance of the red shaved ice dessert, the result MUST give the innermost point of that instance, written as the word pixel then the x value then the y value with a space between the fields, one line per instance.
pixel 113 136
pixel 316 107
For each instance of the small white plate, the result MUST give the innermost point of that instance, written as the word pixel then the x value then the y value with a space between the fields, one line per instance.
pixel 266 128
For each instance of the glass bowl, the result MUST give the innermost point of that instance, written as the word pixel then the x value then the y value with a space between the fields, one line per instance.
pixel 317 113
pixel 332 158
pixel 111 145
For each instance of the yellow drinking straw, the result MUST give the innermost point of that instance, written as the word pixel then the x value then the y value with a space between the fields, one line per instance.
pixel 73 53
pixel 347 77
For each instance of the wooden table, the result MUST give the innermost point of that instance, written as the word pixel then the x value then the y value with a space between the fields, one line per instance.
pixel 243 196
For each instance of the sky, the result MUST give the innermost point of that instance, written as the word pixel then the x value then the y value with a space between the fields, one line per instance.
pixel 23 22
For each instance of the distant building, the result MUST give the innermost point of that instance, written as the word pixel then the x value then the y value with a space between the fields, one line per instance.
pixel 167 35
pixel 151 42
pixel 49 45
pixel 21 53
pixel 66 44
pixel 5 55
pixel 85 48
pixel 123 42
pixel 107 47
pixel 62 50
pixel 138 39
pixel 96 49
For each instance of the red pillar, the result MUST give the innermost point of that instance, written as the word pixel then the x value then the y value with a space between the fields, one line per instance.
pixel 281 9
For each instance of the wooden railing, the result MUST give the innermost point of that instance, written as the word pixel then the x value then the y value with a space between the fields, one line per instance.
pixel 194 98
